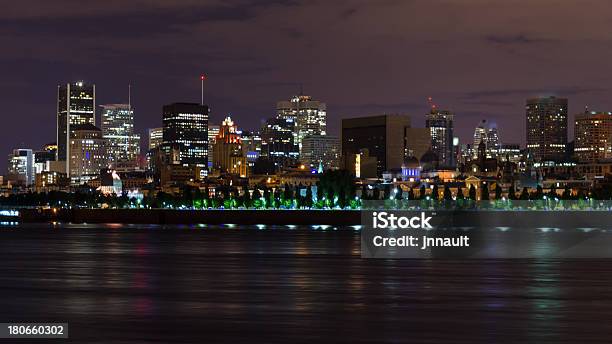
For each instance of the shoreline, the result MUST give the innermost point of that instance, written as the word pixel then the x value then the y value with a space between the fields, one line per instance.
pixel 461 218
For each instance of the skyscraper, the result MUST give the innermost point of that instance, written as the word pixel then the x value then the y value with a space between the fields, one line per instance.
pixel 277 141
pixel 251 146
pixel 382 136
pixel 546 128
pixel 156 137
pixel 123 145
pixel 309 116
pixel 486 132
pixel 87 153
pixel 186 129
pixel 228 156
pixel 593 136
pixel 76 104
pixel 440 124
pixel 213 131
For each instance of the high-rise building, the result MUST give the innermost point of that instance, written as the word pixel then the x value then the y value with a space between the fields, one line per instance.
pixel 486 132
pixel 156 137
pixel 213 131
pixel 251 146
pixel 123 145
pixel 440 124
pixel 228 156
pixel 593 136
pixel 309 116
pixel 76 103
pixel 87 153
pixel 21 167
pixel 186 128
pixel 382 136
pixel 277 141
pixel 547 128
pixel 321 151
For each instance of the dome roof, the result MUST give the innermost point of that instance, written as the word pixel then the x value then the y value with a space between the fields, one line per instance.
pixel 429 157
pixel 411 162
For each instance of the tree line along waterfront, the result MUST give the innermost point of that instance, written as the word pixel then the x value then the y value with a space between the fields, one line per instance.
pixel 336 189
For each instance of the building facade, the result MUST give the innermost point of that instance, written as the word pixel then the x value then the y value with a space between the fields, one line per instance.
pixel 123 145
pixel 441 126
pixel 21 167
pixel 321 152
pixel 277 141
pixel 156 137
pixel 309 116
pixel 186 128
pixel 593 136
pixel 382 136
pixel 251 146
pixel 228 156
pixel 76 104
pixel 546 128
pixel 87 153
pixel 44 157
pixel 487 132
pixel 213 131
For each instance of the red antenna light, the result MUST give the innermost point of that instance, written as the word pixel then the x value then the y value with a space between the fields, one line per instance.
pixel 202 77
pixel 431 103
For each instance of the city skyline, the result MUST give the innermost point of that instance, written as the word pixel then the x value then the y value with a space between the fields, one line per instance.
pixel 483 72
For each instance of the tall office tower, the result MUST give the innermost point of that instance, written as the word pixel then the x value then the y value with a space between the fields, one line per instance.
pixel 593 136
pixel 118 129
pixel 186 129
pixel 486 132
pixel 547 128
pixel 321 152
pixel 277 141
pixel 87 153
pixel 309 116
pixel 21 167
pixel 251 146
pixel 156 137
pixel 213 131
pixel 227 152
pixel 440 124
pixel 382 136
pixel 480 133
pixel 493 143
pixel 76 104
pixel 44 157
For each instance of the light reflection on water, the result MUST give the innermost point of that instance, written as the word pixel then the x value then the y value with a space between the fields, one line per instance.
pixel 275 283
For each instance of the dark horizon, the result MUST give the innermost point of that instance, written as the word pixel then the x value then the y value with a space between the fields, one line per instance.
pixel 358 57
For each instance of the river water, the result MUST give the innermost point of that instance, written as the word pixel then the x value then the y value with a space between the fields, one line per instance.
pixel 233 284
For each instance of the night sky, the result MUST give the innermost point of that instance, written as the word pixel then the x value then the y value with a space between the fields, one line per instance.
pixel 478 58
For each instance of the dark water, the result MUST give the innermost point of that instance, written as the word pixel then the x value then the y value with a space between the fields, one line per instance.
pixel 120 284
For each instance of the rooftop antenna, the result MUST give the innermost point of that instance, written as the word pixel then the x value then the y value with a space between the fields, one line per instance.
pixel 301 89
pixel 129 97
pixel 202 78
